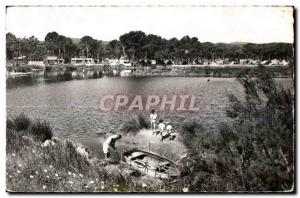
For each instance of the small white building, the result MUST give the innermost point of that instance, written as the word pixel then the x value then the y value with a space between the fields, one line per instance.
pixel 125 62
pixel 284 62
pixel 53 60
pixel 275 62
pixel 36 63
pixel 113 62
pixel 77 61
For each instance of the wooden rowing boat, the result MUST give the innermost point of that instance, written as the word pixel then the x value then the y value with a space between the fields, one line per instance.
pixel 151 164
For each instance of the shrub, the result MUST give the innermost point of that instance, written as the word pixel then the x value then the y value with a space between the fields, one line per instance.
pixel 252 152
pixel 22 122
pixel 256 151
pixel 41 130
pixel 191 126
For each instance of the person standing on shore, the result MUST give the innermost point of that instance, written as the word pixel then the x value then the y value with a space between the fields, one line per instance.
pixel 153 117
pixel 109 143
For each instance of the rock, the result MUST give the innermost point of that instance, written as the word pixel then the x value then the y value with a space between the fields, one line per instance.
pixel 83 152
pixel 28 140
pixel 47 143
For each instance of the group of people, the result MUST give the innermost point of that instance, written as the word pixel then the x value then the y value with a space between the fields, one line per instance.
pixel 161 127
pixel 158 128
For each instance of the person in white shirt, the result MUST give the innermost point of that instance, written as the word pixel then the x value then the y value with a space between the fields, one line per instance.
pixel 167 133
pixel 169 128
pixel 161 127
pixel 153 117
pixel 109 143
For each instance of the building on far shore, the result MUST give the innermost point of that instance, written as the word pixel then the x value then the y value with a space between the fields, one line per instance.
pixel 53 60
pixel 82 60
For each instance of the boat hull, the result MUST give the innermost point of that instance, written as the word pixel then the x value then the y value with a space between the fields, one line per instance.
pixel 151 164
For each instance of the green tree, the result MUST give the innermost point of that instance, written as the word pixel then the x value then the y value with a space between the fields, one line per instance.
pixel 114 49
pixel 133 43
pixel 52 43
pixel 70 50
pixel 11 46
pixel 85 45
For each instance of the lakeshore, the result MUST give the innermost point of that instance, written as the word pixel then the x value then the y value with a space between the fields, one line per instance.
pixel 222 71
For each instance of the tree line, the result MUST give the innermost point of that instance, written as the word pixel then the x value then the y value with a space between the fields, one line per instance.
pixel 137 45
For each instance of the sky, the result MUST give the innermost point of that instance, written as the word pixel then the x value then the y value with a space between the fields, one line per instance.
pixel 208 24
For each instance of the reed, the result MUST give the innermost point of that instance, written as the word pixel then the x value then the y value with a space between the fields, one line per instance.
pixel 41 130
pixel 21 122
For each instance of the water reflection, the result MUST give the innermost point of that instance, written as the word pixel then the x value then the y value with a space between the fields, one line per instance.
pixel 21 81
pixel 51 77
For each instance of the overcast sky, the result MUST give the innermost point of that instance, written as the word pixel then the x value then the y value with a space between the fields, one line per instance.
pixel 213 24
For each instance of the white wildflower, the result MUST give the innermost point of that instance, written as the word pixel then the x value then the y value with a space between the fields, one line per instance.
pixel 144 185
pixel 86 186
pixel 50 166
pixel 18 171
pixel 74 175
pixel 44 187
pixel 36 172
pixel 31 176
pixel 56 174
pixel 45 171
pixel 80 175
pixel 20 165
pixel 13 155
pixel 47 176
pixel 91 182
pixel 102 185
pixel 69 173
pixel 185 189
pixel 70 182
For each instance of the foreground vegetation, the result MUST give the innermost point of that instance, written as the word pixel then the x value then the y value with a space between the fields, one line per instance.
pixel 253 153
pixel 34 163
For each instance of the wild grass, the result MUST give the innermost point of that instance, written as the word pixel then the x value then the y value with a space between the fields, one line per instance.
pixel 132 126
pixel 41 130
pixel 21 122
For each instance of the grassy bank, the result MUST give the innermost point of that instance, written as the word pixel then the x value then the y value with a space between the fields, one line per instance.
pixel 37 162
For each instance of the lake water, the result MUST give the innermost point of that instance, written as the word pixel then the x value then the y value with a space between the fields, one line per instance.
pixel 70 102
